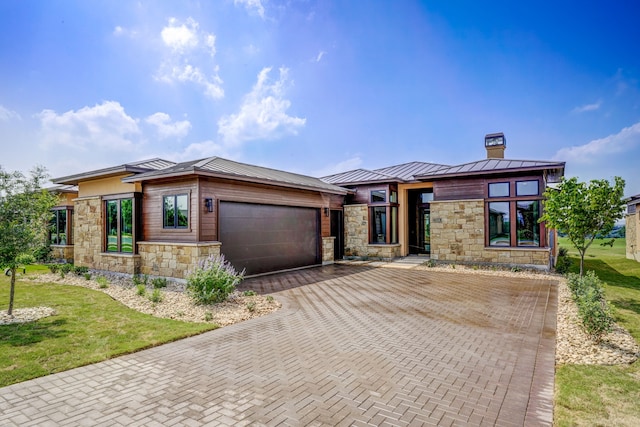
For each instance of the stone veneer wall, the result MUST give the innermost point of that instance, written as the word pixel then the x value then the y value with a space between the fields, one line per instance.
pixel 62 252
pixel 457 235
pixel 170 259
pixel 356 235
pixel 632 238
pixel 327 249
pixel 87 232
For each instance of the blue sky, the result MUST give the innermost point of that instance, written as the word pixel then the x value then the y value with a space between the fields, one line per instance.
pixel 320 87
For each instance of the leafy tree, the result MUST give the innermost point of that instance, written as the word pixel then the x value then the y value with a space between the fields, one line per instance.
pixel 25 211
pixel 582 211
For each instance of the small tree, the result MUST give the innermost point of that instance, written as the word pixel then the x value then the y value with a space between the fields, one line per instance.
pixel 25 211
pixel 583 211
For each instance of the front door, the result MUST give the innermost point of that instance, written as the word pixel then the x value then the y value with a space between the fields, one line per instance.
pixel 420 221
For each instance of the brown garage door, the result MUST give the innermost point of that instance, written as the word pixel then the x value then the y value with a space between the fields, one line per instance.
pixel 262 238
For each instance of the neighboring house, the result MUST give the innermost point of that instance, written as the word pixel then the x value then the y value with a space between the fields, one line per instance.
pixel 632 226
pixel 480 212
pixel 161 218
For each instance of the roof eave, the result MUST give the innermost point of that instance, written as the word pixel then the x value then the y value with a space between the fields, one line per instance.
pixel 203 172
pixel 490 172
pixel 98 174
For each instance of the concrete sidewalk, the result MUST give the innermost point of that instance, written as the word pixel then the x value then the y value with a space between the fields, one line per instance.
pixel 351 346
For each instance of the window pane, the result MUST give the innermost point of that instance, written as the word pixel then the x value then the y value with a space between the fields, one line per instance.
pixel 394 224
pixel 499 189
pixel 169 211
pixel 379 224
pixel 393 198
pixel 527 188
pixel 112 226
pixel 182 210
pixel 426 197
pixel 499 224
pixel 378 196
pixel 62 227
pixel 53 228
pixel 527 228
pixel 126 225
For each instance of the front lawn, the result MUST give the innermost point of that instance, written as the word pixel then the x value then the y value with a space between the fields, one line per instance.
pixel 604 395
pixel 89 327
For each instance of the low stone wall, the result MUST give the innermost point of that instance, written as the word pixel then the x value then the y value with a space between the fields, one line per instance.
pixel 169 259
pixel 632 238
pixel 118 263
pixel 457 235
pixel 62 253
pixel 385 252
pixel 328 249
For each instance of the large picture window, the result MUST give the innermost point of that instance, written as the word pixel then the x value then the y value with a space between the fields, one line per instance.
pixel 120 233
pixel 176 211
pixel 513 211
pixel 61 227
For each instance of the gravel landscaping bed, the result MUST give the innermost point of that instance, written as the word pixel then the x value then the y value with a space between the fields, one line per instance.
pixel 176 303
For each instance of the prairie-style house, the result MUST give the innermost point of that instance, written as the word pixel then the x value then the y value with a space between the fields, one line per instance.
pixel 160 218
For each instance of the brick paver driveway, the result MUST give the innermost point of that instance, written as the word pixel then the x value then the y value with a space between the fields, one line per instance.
pixel 351 346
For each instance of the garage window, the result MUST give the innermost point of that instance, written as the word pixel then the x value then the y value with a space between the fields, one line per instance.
pixel 175 211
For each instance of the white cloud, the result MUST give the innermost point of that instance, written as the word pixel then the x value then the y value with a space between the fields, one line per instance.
pixel 180 37
pixel 6 114
pixel 190 52
pixel 104 126
pixel 262 114
pixel 588 107
pixel 344 166
pixel 166 128
pixel 625 140
pixel 320 55
pixel 252 6
pixel 199 150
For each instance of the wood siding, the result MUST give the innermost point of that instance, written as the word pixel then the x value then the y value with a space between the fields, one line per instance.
pixel 203 225
pixel 459 189
pixel 152 229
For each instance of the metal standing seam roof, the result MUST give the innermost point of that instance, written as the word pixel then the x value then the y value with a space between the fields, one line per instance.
pixel 632 200
pixel 134 167
pixel 358 176
pixel 408 171
pixel 217 166
pixel 491 165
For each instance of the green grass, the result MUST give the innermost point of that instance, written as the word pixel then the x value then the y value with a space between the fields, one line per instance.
pixel 604 395
pixel 89 327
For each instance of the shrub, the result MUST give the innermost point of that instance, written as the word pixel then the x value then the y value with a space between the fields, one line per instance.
pixel 137 280
pixel 159 282
pixel 270 298
pixel 81 270
pixel 213 280
pixel 87 276
pixel 208 316
pixel 156 296
pixel 53 268
pixel 26 259
pixel 563 262
pixel 431 263
pixel 103 283
pixel 251 306
pixel 595 313
pixel 42 253
pixel 249 293
pixel 66 268
pixel 141 289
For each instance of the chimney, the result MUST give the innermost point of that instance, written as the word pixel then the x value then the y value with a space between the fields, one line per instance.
pixel 495 143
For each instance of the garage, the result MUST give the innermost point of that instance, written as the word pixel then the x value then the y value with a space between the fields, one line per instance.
pixel 262 238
